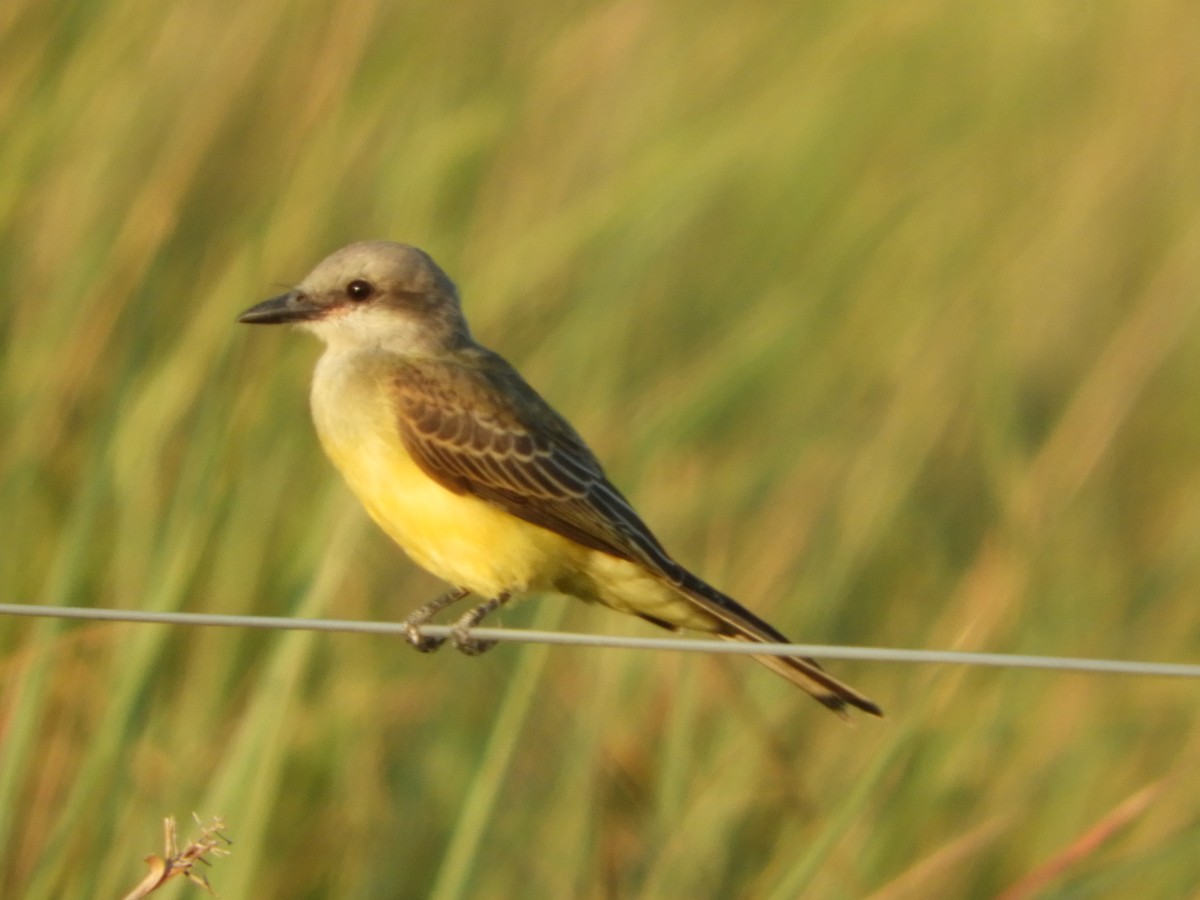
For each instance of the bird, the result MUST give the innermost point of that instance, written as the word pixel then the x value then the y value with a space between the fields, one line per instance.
pixel 474 475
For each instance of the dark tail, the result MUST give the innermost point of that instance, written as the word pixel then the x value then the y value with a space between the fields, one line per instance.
pixel 736 623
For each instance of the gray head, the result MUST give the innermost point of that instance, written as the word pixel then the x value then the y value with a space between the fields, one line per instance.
pixel 373 294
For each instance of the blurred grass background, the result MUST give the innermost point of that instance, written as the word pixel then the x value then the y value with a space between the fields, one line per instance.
pixel 883 314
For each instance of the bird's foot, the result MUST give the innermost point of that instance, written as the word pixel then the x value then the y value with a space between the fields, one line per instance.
pixel 412 625
pixel 460 631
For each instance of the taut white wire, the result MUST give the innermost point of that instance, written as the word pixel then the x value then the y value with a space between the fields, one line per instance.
pixel 688 645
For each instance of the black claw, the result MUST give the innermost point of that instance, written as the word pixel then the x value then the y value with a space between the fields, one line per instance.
pixel 469 646
pixel 423 642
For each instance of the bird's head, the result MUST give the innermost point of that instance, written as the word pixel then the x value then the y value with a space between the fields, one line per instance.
pixel 373 294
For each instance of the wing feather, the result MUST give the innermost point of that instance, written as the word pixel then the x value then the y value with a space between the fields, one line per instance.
pixel 482 430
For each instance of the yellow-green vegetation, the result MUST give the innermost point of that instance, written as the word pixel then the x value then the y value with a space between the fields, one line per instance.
pixel 885 315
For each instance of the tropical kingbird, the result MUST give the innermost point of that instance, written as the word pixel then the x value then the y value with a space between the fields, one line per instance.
pixel 471 472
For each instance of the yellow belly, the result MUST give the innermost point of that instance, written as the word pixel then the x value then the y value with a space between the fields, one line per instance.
pixel 460 539
pixel 457 537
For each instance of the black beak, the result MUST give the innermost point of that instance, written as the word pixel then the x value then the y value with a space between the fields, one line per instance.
pixel 290 307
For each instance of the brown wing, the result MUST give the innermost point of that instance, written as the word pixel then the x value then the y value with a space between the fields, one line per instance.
pixel 480 429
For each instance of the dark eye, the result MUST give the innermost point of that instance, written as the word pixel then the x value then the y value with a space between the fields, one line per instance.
pixel 359 289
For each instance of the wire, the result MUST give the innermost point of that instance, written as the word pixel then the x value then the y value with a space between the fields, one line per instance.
pixel 686 645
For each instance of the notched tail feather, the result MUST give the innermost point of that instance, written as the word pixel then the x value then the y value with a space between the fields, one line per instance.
pixel 739 624
pixel 811 678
